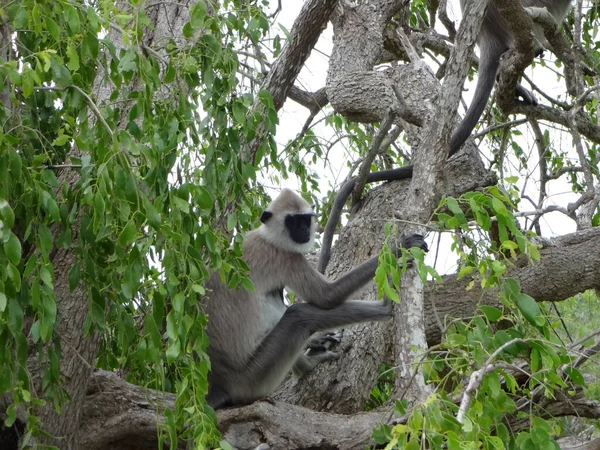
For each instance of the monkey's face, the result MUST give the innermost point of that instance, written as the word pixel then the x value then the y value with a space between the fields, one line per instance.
pixel 288 223
pixel 300 227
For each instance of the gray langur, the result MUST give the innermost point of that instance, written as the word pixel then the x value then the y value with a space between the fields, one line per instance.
pixel 494 40
pixel 254 339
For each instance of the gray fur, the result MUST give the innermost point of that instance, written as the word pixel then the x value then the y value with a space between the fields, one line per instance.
pixel 254 340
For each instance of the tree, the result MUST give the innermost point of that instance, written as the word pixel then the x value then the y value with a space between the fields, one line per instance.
pixel 137 138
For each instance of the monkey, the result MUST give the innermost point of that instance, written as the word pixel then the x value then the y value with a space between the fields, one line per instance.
pixel 254 339
pixel 494 40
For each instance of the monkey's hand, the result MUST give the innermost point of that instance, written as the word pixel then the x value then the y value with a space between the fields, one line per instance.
pixel 415 240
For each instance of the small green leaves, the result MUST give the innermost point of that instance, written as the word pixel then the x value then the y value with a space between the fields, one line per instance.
pixel 575 375
pixel 197 14
pixel 74 276
pixel 128 234
pixel 12 248
pixel 7 215
pixel 530 309
pixel 492 314
pixel 72 17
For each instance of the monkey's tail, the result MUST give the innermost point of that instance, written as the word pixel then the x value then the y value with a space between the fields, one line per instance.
pixel 486 77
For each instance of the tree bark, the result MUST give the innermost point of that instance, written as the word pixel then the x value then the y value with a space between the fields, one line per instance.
pixel 121 416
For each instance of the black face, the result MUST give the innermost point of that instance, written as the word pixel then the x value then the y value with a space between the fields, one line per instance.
pixel 299 227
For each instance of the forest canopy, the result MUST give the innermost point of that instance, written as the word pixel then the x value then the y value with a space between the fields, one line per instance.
pixel 141 140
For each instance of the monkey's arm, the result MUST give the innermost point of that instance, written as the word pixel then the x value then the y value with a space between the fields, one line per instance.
pixel 314 288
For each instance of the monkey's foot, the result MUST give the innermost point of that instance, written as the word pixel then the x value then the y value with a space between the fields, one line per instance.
pixel 323 342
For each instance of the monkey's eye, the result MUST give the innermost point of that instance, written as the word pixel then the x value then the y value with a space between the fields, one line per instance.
pixel 313 207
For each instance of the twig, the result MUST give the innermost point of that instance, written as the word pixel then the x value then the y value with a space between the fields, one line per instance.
pixel 89 100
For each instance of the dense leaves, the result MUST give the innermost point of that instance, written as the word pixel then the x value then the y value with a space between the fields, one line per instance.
pixel 124 155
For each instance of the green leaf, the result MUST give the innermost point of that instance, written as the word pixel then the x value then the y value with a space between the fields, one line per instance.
pixel 128 234
pixel 12 247
pixel 204 199
pixel 455 208
pixel 197 14
pixel 171 326
pixel 50 206
pixel 529 308
pixel 181 204
pixel 45 239
pixel 46 276
pixel 152 215
pixel 499 207
pixel 178 302
pixel 72 18
pixel 456 339
pixel 93 18
pixel 3 301
pixel 20 19
pixel 73 59
pixel 61 140
pixel 6 213
pixel 127 62
pixel 173 351
pixel 493 383
pixel 239 112
pixel 465 270
pixel 52 28
pixel 198 289
pixel 492 314
pixel 575 375
pixel 11 415
pixel 74 276
pixel 14 275
pixel 99 204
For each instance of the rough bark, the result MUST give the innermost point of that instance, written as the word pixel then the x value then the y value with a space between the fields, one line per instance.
pixel 354 89
pixel 579 444
pixel 121 416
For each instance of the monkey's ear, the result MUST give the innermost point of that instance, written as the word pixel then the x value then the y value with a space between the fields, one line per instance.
pixel 266 216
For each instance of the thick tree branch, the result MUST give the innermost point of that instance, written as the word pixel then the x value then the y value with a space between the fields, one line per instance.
pixel 121 416
pixel 307 28
pixel 569 265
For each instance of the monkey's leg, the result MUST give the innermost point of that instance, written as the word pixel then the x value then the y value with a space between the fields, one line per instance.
pixel 281 348
pixel 306 363
pixel 217 397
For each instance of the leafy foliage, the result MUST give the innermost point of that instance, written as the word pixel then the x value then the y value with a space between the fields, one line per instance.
pixel 522 334
pixel 123 156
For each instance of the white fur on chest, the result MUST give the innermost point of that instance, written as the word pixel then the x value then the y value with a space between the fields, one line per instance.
pixel 272 309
